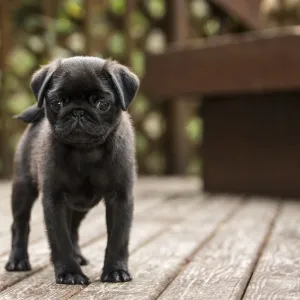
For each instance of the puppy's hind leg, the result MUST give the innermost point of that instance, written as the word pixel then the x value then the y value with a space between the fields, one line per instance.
pixel 24 193
pixel 75 219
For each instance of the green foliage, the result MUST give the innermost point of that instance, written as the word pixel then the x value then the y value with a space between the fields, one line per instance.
pixel 194 129
pixel 117 6
pixel 74 8
pixel 156 8
pixel 116 44
pixel 38 39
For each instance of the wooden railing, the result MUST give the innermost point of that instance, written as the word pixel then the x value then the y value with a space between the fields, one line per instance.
pixel 250 91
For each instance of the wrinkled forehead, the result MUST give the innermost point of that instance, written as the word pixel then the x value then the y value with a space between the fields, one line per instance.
pixel 80 75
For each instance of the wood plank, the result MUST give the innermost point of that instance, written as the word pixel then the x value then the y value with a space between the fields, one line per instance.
pixel 175 112
pixel 37 231
pixel 39 252
pixel 222 269
pixel 246 11
pixel 277 275
pixel 167 186
pixel 173 209
pixel 193 69
pixel 264 129
pixel 37 224
pixel 42 285
pixel 158 262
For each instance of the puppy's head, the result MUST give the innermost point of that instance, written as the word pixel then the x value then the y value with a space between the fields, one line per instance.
pixel 84 97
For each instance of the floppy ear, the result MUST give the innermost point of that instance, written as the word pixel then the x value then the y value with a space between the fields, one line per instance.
pixel 124 82
pixel 40 80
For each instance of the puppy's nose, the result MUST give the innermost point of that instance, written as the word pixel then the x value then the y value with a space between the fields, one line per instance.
pixel 78 113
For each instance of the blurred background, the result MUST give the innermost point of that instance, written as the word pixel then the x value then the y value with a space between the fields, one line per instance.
pixel 33 32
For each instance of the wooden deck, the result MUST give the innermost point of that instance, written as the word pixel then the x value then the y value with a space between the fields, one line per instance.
pixel 184 245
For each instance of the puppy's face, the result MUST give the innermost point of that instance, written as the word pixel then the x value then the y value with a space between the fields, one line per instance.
pixel 84 97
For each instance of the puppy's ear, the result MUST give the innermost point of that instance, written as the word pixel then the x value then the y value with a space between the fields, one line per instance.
pixel 124 82
pixel 40 80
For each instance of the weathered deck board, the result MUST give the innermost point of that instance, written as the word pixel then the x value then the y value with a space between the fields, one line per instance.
pixel 140 235
pixel 158 262
pixel 37 224
pixel 277 275
pixel 37 228
pixel 43 286
pixel 184 245
pixel 221 270
pixel 38 250
pixel 172 210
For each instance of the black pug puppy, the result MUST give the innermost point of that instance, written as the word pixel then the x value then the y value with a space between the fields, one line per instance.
pixel 78 149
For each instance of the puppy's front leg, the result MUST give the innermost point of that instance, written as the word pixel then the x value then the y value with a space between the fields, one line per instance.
pixel 119 212
pixel 67 269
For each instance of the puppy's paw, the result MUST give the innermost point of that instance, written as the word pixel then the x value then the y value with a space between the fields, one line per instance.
pixel 81 260
pixel 72 278
pixel 116 276
pixel 18 265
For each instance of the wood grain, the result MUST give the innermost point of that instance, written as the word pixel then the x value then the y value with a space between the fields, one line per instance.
pixel 37 228
pixel 172 210
pixel 277 275
pixel 42 285
pixel 246 11
pixel 157 263
pixel 39 252
pixel 93 228
pixel 37 231
pixel 193 69
pixel 222 269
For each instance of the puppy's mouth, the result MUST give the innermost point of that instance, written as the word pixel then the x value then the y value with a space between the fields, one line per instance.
pixel 81 132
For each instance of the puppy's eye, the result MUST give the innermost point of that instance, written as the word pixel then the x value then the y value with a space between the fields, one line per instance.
pixel 64 101
pixel 56 105
pixel 103 105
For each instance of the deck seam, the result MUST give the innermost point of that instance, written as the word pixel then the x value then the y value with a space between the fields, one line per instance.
pixel 36 241
pixel 92 241
pixel 154 236
pixel 151 238
pixel 190 257
pixel 263 245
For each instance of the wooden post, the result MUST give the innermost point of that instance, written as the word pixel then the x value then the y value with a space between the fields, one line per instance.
pixel 49 14
pixel 4 49
pixel 174 111
pixel 87 24
pixel 130 6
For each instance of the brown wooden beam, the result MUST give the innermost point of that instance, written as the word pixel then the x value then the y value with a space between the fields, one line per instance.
pixel 268 61
pixel 5 44
pixel 174 111
pixel 251 144
pixel 246 10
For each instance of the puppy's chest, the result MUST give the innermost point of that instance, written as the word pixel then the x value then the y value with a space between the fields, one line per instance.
pixel 88 169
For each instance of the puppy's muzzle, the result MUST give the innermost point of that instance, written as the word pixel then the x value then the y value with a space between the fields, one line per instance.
pixel 78 113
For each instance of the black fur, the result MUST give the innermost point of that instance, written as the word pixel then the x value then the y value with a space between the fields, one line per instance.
pixel 32 114
pixel 75 153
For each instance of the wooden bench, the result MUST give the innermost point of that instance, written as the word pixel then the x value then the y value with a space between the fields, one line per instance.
pixel 250 86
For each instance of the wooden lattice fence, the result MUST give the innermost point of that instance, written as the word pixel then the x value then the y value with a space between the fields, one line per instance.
pixel 33 32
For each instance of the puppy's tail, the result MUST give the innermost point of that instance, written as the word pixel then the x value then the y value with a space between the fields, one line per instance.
pixel 33 114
